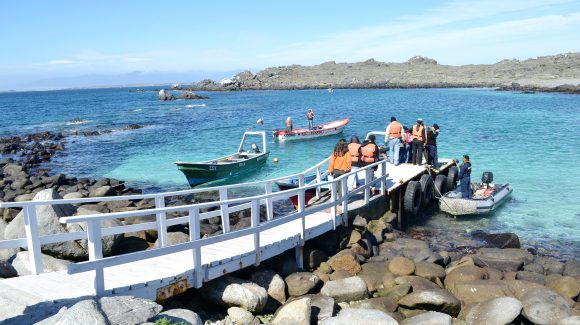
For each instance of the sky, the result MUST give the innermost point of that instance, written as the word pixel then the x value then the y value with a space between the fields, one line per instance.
pixel 60 43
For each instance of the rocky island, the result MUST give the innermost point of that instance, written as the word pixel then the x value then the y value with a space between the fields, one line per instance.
pixel 559 73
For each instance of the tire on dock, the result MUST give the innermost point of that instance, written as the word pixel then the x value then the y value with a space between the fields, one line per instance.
pixel 440 186
pixel 427 189
pixel 413 198
pixel 452 176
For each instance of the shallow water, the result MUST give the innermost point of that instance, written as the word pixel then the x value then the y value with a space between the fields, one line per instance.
pixel 529 140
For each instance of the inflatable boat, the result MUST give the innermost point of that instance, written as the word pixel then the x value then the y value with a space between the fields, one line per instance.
pixel 317 131
pixel 486 197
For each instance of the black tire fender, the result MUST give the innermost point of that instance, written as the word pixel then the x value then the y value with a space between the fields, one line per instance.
pixel 413 198
pixel 452 176
pixel 427 189
pixel 440 186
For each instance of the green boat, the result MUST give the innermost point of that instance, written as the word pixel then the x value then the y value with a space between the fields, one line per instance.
pixel 243 162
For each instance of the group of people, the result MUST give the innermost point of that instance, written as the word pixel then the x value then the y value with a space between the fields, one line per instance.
pixel 352 156
pixel 416 142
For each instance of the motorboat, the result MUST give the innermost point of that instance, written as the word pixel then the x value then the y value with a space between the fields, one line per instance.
pixel 324 129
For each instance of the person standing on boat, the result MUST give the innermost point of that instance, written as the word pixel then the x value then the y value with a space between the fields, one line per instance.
pixel 431 146
pixel 353 149
pixel 465 177
pixel 419 140
pixel 310 117
pixel 340 162
pixel 289 126
pixel 393 138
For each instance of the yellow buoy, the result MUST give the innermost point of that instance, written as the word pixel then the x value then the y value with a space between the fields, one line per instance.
pixel 275 160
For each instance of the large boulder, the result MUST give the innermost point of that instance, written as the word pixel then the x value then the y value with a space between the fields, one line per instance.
pixel 345 290
pixel 502 310
pixel 373 274
pixel 128 309
pixel 572 268
pixel 567 286
pixel 180 316
pixel 21 263
pixel 102 191
pixel 464 274
pixel 406 247
pixel 417 283
pixel 550 265
pixel 352 316
pixel 83 312
pixel 48 223
pixel 383 304
pixel 401 266
pixel 345 261
pixel 229 291
pixel 301 283
pixel 174 238
pixel 503 240
pixel 428 318
pixel 241 316
pixel 110 243
pixel 509 259
pixel 272 282
pixel 396 293
pixel 544 306
pixel 429 271
pixel 295 312
pixel 5 254
pixel 435 300
pixel 322 307
pixel 476 291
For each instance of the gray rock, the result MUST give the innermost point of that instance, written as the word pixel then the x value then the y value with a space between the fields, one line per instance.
pixel 530 276
pixel 101 191
pixel 360 316
pixel 349 289
pixel 572 320
pixel 406 247
pixel 429 271
pixel 13 169
pixel 174 238
pixel 435 300
pixel 301 283
pixel 373 274
pixel 359 223
pixel 110 243
pixel 242 317
pixel 429 318
pixel 129 309
pixel 386 305
pixel 73 196
pixel 322 307
pixel 48 223
pixel 83 312
pixel 296 312
pixel 509 259
pixel 551 266
pixel 180 316
pixel 230 291
pixel 503 310
pixel 21 263
pixel 572 268
pixel 418 283
pixel 5 254
pixel 503 240
pixel 272 282
pixel 544 306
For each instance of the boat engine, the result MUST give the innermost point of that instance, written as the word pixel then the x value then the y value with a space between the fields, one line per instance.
pixel 487 178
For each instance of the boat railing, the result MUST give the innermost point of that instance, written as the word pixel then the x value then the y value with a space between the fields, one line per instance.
pixel 95 232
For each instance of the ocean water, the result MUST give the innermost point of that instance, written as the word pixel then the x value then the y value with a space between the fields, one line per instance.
pixel 529 140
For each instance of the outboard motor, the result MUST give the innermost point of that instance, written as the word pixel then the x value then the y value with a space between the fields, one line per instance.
pixel 487 178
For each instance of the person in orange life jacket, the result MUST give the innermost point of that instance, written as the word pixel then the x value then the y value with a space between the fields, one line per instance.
pixel 431 146
pixel 289 126
pixel 353 149
pixel 465 178
pixel 393 138
pixel 406 150
pixel 310 117
pixel 368 152
pixel 340 162
pixel 419 140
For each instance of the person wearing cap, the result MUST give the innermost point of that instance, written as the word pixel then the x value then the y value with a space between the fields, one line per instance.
pixel 419 139
pixel 310 117
pixel 465 177
pixel 289 125
pixel 431 146
pixel 393 137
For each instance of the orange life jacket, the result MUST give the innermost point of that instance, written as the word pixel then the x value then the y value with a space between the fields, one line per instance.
pixel 395 129
pixel 310 115
pixel 418 132
pixel 353 150
pixel 368 153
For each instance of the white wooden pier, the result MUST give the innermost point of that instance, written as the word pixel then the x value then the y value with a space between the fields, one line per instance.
pixel 171 269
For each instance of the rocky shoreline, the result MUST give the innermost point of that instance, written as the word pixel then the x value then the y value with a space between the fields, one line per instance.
pixel 557 73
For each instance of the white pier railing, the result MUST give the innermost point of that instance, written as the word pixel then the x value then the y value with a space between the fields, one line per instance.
pixel 225 206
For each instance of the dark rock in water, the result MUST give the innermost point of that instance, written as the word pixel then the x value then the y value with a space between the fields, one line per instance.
pixel 165 95
pixel 191 95
pixel 133 127
pixel 499 240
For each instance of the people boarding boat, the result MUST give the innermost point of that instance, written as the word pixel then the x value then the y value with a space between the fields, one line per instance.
pixel 486 197
pixel 324 129
pixel 242 162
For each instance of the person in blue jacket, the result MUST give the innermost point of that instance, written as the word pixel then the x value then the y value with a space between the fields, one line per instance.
pixel 465 178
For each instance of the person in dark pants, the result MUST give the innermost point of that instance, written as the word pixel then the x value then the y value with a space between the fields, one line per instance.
pixel 419 139
pixel 431 146
pixel 465 178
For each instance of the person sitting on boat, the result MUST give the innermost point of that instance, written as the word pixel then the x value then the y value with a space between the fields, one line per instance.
pixel 393 137
pixel 368 152
pixel 310 117
pixel 431 146
pixel 340 162
pixel 419 139
pixel 465 178
pixel 289 124
pixel 353 149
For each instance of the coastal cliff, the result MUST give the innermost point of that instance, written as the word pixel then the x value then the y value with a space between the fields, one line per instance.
pixel 537 74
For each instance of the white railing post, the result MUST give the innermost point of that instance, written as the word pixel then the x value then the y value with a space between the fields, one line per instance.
pixel 224 210
pixel 318 181
pixel 367 181
pixel 161 219
pixel 96 253
pixel 194 231
pixel 345 197
pixel 301 194
pixel 32 239
pixel 333 195
pixel 269 206
pixel 255 222
pixel 383 177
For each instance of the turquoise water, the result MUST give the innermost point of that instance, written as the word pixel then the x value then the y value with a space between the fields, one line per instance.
pixel 529 140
